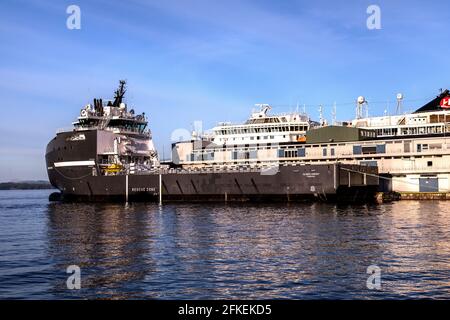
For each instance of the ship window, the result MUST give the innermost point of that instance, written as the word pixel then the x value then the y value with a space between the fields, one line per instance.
pixel 324 152
pixel 332 151
pixel 357 150
pixel 407 146
pixel 435 146
pixel 369 150
pixel 369 163
pixel 381 148
pixel 280 153
pixel 429 163
pixel 301 152
pixel 290 153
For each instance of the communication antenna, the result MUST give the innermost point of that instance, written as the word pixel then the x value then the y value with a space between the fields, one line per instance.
pixel 321 115
pixel 399 103
pixel 360 102
pixel 333 114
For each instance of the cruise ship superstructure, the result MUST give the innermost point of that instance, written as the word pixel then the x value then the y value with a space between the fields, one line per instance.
pixel 262 127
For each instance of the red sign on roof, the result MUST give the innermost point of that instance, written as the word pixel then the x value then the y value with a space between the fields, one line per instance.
pixel 445 103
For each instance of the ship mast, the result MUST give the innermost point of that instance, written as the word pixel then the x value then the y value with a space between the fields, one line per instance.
pixel 119 93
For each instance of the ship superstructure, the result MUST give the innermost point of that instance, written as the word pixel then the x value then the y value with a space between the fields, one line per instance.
pixel 263 127
pixel 107 138
pixel 433 119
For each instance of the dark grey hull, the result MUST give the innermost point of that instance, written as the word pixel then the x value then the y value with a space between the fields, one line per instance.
pixel 290 183
pixel 332 182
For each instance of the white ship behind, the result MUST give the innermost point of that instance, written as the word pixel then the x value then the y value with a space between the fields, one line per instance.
pixel 263 127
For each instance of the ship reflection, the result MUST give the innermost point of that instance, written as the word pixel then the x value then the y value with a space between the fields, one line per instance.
pixel 108 243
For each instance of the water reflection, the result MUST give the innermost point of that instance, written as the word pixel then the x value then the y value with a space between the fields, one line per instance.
pixel 249 251
pixel 417 249
pixel 108 242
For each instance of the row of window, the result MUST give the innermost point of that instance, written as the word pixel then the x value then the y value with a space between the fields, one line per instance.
pixel 379 148
pixel 367 133
pixel 357 149
pixel 249 138
pixel 300 151
pixel 293 128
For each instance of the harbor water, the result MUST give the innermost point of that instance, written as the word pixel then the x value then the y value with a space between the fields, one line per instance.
pixel 222 251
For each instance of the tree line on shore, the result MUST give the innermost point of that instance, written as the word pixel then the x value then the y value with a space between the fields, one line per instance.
pixel 25 185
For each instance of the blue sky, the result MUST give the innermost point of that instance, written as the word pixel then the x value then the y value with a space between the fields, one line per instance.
pixel 208 60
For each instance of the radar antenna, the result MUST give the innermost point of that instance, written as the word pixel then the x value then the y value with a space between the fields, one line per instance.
pixel 360 102
pixel 119 93
pixel 321 120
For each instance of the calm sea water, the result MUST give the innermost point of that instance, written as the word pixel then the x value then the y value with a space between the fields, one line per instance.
pixel 195 251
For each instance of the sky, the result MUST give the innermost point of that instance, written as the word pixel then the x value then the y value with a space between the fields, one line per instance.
pixel 209 61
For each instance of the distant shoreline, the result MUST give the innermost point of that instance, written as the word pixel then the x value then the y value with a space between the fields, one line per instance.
pixel 25 185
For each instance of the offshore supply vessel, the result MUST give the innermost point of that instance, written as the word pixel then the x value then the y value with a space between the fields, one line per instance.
pixel 109 154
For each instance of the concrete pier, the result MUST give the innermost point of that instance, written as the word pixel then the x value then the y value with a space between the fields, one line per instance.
pixel 425 195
